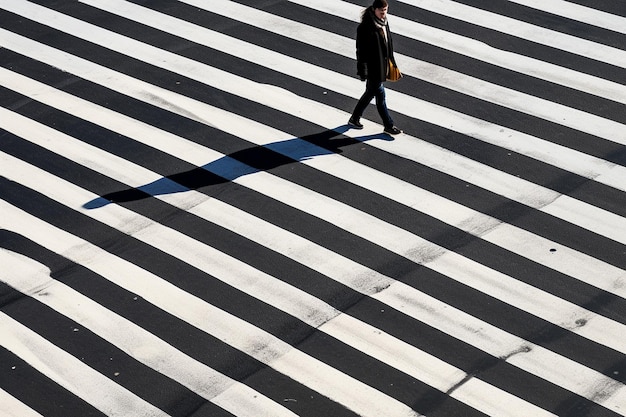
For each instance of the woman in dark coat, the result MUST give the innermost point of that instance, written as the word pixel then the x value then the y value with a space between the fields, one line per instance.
pixel 374 48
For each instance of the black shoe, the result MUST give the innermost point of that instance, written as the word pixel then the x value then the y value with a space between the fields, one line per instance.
pixel 392 130
pixel 355 124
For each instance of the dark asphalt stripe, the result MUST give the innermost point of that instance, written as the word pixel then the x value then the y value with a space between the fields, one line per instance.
pixel 379 375
pixel 440 234
pixel 422 225
pixel 39 392
pixel 554 22
pixel 303 173
pixel 608 6
pixel 542 333
pixel 181 335
pixel 507 42
pixel 101 356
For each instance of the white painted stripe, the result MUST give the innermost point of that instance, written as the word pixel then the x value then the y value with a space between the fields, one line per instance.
pixel 491 133
pixel 494 341
pixel 529 357
pixel 564 207
pixel 241 335
pixel 563 157
pixel 12 407
pixel 422 366
pixel 71 373
pixel 141 91
pixel 464 270
pixel 578 12
pixel 481 51
pixel 370 340
pixel 435 74
pixel 566 260
pixel 586 271
pixel 33 279
pixel 523 30
pixel 612 174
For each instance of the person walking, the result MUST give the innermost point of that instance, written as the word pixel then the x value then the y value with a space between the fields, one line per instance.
pixel 374 49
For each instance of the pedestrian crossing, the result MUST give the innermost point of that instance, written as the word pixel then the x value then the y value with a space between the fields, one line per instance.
pixel 189 228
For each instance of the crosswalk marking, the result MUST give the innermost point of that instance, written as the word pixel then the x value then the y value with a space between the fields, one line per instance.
pixel 12 407
pixel 236 332
pixel 520 142
pixel 471 86
pixel 594 322
pixel 608 173
pixel 574 264
pixel 69 372
pixel 604 171
pixel 473 396
pixel 554 39
pixel 481 51
pixel 455 268
pixel 34 280
pixel 561 206
pixel 579 12
pixel 550 202
pixel 577 269
pixel 570 262
pixel 566 158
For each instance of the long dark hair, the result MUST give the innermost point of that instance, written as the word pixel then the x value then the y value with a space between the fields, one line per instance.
pixel 378 4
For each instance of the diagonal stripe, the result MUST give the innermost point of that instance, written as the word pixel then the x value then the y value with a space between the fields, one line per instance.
pixel 483 52
pixel 572 376
pixel 565 373
pixel 564 207
pixel 460 267
pixel 12 407
pixel 577 162
pixel 571 262
pixel 418 108
pixel 241 335
pixel 384 347
pixel 523 30
pixel 33 279
pixel 474 87
pixel 142 88
pixel 71 373
pixel 578 12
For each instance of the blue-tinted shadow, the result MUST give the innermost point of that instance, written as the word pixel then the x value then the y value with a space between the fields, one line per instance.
pixel 240 163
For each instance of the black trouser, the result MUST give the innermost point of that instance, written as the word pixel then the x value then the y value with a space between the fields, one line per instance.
pixel 373 89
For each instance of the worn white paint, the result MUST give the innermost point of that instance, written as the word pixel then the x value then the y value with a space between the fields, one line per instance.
pixel 580 163
pixel 545 151
pixel 200 115
pixel 524 30
pixel 12 407
pixel 497 345
pixel 33 279
pixel 472 86
pixel 71 373
pixel 481 51
pixel 251 340
pixel 564 207
pixel 578 12
pixel 370 340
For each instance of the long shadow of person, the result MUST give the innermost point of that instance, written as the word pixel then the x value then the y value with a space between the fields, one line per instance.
pixel 244 162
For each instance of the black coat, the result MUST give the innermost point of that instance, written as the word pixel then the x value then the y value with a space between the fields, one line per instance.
pixel 372 52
